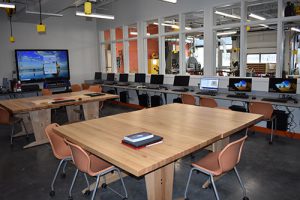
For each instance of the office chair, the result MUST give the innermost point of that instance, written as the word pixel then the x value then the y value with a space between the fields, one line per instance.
pixel 93 166
pixel 218 163
pixel 46 92
pixel 208 102
pixel 85 86
pixel 188 99
pixel 265 109
pixel 61 151
pixel 7 119
pixel 95 88
pixel 75 88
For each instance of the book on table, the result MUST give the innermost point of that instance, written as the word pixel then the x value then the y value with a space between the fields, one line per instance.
pixel 140 140
pixel 136 137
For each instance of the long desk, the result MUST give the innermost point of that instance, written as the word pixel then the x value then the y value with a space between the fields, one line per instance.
pixel 39 109
pixel 185 129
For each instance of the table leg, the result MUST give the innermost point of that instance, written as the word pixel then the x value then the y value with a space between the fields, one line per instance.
pixel 159 183
pixel 73 116
pixel 39 120
pixel 27 123
pixel 91 110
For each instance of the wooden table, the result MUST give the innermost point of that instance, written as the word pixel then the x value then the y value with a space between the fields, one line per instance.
pixel 39 109
pixel 185 129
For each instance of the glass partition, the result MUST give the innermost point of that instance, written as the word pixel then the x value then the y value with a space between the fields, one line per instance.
pixel 194 53
pixel 172 54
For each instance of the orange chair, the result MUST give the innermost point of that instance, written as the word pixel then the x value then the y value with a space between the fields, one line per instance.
pixel 218 163
pixel 61 151
pixel 75 88
pixel 85 86
pixel 188 99
pixel 95 88
pixel 46 92
pixel 93 166
pixel 208 102
pixel 7 119
pixel 265 109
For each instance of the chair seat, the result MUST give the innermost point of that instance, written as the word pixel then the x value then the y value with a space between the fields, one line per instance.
pixel 98 165
pixel 209 163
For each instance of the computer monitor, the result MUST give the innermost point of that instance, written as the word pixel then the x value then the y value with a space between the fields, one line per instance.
pixel 211 84
pixel 140 78
pixel 240 84
pixel 283 85
pixel 181 81
pixel 157 79
pixel 110 77
pixel 98 76
pixel 123 78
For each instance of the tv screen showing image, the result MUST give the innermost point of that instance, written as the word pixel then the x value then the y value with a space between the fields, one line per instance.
pixel 157 79
pixel 181 81
pixel 283 85
pixel 240 84
pixel 40 65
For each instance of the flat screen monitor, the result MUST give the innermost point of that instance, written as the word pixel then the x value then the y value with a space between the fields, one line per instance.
pixel 157 79
pixel 98 76
pixel 240 84
pixel 181 81
pixel 283 85
pixel 209 84
pixel 110 77
pixel 123 78
pixel 39 65
pixel 140 78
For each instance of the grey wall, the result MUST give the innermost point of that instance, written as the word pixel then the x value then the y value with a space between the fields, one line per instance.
pixel 69 32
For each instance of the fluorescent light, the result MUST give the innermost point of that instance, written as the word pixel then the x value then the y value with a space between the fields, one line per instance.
pixel 95 15
pixel 7 5
pixel 227 33
pixel 264 25
pixel 48 14
pixel 257 16
pixel 188 28
pixel 227 15
pixel 295 29
pixel 170 1
pixel 136 33
pixel 170 25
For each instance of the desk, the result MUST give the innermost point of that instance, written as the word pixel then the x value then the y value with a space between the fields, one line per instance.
pixel 39 109
pixel 185 129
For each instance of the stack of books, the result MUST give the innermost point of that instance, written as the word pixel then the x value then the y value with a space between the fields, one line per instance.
pixel 140 140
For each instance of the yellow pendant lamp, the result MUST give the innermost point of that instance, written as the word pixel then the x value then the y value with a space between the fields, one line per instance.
pixel 41 28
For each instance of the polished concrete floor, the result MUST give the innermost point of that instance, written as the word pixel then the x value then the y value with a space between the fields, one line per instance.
pixel 268 171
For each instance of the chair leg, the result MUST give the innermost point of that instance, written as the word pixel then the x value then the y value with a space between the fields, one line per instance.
pixel 63 175
pixel 272 130
pixel 87 182
pixel 52 192
pixel 240 181
pixel 214 186
pixel 247 131
pixel 123 184
pixel 26 131
pixel 188 183
pixel 96 187
pixel 73 182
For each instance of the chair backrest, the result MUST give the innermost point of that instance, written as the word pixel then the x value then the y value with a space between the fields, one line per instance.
pixel 265 109
pixel 95 88
pixel 231 154
pixel 4 116
pixel 46 92
pixel 60 149
pixel 80 157
pixel 208 102
pixel 75 88
pixel 188 99
pixel 85 86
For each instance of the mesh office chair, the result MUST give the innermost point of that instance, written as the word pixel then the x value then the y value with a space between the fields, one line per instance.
pixel 188 99
pixel 265 109
pixel 93 166
pixel 218 163
pixel 7 119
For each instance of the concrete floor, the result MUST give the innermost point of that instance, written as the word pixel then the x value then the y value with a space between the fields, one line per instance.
pixel 268 171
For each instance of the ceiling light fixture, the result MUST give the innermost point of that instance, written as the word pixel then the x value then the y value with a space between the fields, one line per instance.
pixel 188 28
pixel 227 33
pixel 170 1
pixel 135 33
pixel 7 5
pixel 95 15
pixel 170 25
pixel 256 16
pixel 47 14
pixel 227 15
pixel 295 29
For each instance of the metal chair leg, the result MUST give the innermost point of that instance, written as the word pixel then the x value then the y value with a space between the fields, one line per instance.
pixel 188 183
pixel 73 182
pixel 56 173
pixel 247 131
pixel 26 131
pixel 214 186
pixel 123 184
pixel 96 187
pixel 87 181
pixel 64 168
pixel 240 181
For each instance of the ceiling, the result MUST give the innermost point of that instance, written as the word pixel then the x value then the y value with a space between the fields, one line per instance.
pixel 52 6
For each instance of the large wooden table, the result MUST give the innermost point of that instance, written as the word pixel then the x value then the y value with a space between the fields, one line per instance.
pixel 39 109
pixel 185 129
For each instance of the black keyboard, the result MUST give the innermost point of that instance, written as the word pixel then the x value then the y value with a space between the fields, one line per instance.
pixel 207 93
pixel 153 87
pixel 238 96
pixel 109 83
pixel 63 101
pixel 181 90
pixel 95 94
pixel 122 84
pixel 278 100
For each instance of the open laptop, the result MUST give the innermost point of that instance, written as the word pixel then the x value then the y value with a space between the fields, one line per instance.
pixel 209 86
pixel 110 80
pixel 155 81
pixel 123 80
pixel 139 80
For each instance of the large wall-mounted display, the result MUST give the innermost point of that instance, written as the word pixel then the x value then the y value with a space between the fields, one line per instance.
pixel 40 65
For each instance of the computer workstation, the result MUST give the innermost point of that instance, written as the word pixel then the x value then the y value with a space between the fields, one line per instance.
pixel 181 83
pixel 123 80
pixel 156 81
pixel 240 87
pixel 208 86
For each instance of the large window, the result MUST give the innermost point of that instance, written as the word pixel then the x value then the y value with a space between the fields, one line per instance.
pixel 227 14
pixel 171 24
pixel 194 53
pixel 133 56
pixel 172 54
pixel 153 55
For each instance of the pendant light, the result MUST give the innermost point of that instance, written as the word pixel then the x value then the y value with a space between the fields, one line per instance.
pixel 41 28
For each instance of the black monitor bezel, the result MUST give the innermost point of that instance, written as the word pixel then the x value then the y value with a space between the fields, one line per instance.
pixel 233 90
pixel 108 76
pixel 124 75
pixel 161 76
pixel 281 79
pixel 97 74
pixel 181 85
pixel 140 74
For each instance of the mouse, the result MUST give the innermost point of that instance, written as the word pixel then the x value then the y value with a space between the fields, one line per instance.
pixel 253 97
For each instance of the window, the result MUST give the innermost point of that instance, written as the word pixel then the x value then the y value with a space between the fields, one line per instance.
pixel 194 20
pixel 153 55
pixel 262 10
pixel 132 31
pixel 171 24
pixel 107 50
pixel 133 56
pixel 194 53
pixel 152 27
pixel 268 58
pixel 227 14
pixel 253 58
pixel 172 54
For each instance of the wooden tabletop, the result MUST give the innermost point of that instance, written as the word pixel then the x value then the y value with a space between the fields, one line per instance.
pixel 45 102
pixel 185 129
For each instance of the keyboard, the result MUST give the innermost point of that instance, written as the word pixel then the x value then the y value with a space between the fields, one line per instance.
pixel 180 90
pixel 238 96
pixel 95 94
pixel 153 87
pixel 207 93
pixel 109 83
pixel 122 84
pixel 278 100
pixel 63 101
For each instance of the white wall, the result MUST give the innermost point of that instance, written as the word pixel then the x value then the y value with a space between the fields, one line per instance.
pixel 69 32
